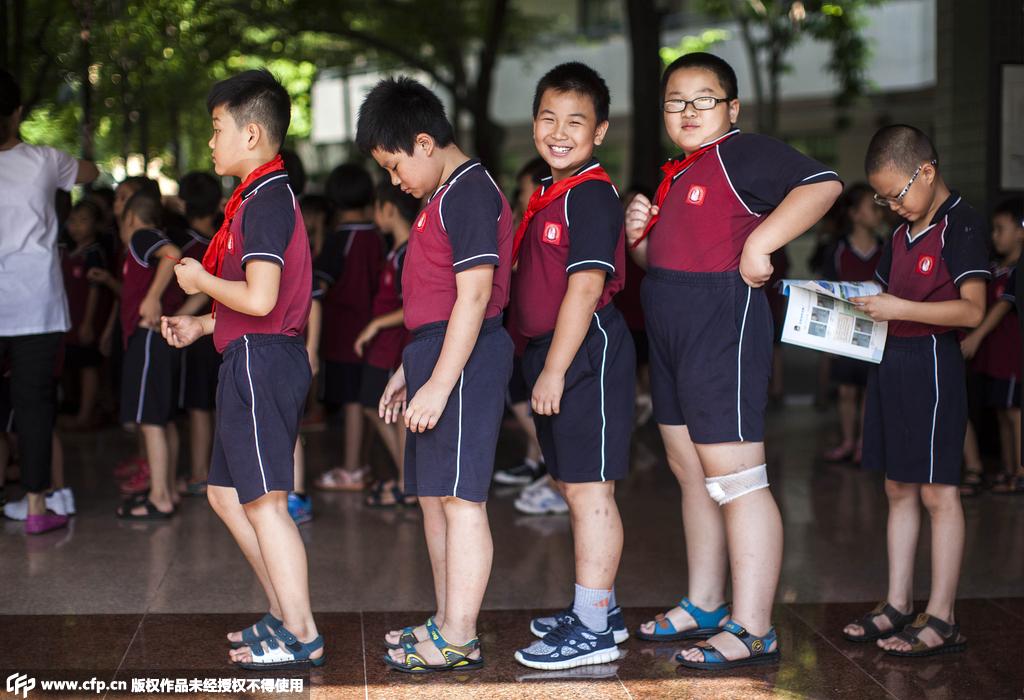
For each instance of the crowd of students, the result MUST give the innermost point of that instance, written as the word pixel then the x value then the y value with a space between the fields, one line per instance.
pixel 427 307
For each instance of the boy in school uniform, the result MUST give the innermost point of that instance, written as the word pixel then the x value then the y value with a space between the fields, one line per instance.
pixel 455 368
pixel 934 269
pixel 349 269
pixel 257 271
pixel 723 208
pixel 580 362
pixel 150 368
pixel 380 344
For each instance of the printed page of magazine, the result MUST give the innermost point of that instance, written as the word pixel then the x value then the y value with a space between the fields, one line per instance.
pixel 820 317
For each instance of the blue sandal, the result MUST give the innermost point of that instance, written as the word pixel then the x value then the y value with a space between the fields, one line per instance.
pixel 408 637
pixel 456 656
pixel 709 623
pixel 283 651
pixel 757 646
pixel 265 628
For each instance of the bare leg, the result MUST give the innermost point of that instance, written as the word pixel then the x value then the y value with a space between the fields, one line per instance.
pixel 58 463
pixel 596 532
pixel 299 457
pixel 201 433
pixel 435 527
pixel 353 435
pixel 521 411
pixel 972 456
pixel 173 453
pixel 848 415
pixel 158 456
pixel 90 386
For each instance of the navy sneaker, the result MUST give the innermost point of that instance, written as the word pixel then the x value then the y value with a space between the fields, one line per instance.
pixel 569 645
pixel 540 626
pixel 300 508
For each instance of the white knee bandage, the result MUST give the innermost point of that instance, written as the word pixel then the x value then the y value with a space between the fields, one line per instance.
pixel 724 489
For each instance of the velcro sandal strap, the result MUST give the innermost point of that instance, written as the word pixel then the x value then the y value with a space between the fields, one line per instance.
pixel 890 612
pixel 941 627
pixel 663 624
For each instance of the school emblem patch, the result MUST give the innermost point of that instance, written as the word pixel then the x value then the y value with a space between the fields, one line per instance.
pixel 925 265
pixel 696 195
pixel 421 222
pixel 552 233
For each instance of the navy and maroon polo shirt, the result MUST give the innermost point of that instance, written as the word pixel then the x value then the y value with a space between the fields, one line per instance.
pixel 850 265
pixel 385 350
pixel 467 222
pixel 268 227
pixel 349 266
pixel 716 203
pixel 75 266
pixel 581 230
pixel 1000 351
pixel 932 265
pixel 140 262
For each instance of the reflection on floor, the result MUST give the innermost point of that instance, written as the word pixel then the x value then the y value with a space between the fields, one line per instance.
pixel 109 599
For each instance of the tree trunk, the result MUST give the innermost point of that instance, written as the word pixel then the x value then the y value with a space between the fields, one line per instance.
pixel 488 135
pixel 645 67
pixel 754 63
pixel 85 18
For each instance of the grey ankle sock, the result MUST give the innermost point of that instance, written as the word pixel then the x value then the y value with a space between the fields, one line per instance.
pixel 612 603
pixel 591 607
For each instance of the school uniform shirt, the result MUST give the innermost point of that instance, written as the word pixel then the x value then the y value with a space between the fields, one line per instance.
pixel 33 299
pixel 717 202
pixel 847 264
pixel 137 271
pixel 581 230
pixel 268 227
pixel 349 265
pixel 466 223
pixel 931 266
pixel 385 350
pixel 75 266
pixel 1000 351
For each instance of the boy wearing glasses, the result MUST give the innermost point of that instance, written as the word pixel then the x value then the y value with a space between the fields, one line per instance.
pixel 934 269
pixel 726 204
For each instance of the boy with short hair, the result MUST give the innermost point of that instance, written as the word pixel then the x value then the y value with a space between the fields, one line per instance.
pixel 580 361
pixel 455 368
pixel 257 270
pixel 723 208
pixel 934 269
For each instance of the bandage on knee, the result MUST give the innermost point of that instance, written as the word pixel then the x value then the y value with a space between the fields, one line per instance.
pixel 724 489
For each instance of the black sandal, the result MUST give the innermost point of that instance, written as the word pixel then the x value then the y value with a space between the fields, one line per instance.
pixel 971 484
pixel 124 512
pixel 897 619
pixel 401 499
pixel 952 640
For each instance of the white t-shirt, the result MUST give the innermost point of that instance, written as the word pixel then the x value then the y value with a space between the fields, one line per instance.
pixel 32 298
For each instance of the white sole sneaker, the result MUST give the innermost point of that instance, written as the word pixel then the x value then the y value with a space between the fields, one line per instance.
pixel 530 508
pixel 594 658
pixel 620 636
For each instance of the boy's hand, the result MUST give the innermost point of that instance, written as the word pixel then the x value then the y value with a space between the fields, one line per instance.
pixel 98 275
pixel 547 393
pixel 969 345
pixel 426 407
pixel 149 312
pixel 367 334
pixel 392 401
pixel 188 272
pixel 638 213
pixel 755 267
pixel 880 307
pixel 180 331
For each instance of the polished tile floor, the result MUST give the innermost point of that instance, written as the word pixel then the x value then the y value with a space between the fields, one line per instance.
pixel 119 601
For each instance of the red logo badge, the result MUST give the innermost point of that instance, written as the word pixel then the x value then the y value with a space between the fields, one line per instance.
pixel 552 233
pixel 421 222
pixel 696 195
pixel 925 265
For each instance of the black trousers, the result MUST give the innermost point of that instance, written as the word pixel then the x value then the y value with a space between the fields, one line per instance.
pixel 32 359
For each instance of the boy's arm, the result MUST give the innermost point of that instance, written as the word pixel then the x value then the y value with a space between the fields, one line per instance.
pixel 150 309
pixel 313 335
pixel 107 336
pixel 638 213
pixel 969 345
pixel 965 312
pixel 256 295
pixel 574 315
pixel 180 331
pixel 388 320
pixel 86 335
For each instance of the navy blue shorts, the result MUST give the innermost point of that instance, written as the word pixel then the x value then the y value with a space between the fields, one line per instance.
pixel 372 385
pixel 588 440
pixel 456 457
pixel 848 371
pixel 711 353
pixel 200 366
pixel 915 416
pixel 342 382
pixel 149 379
pixel 1002 394
pixel 518 389
pixel 261 392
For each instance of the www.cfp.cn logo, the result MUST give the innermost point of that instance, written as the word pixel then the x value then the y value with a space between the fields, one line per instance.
pixel 20 683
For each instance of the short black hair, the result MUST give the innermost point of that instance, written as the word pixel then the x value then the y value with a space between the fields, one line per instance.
pixel 707 61
pixel 1012 207
pixel 851 198
pixel 349 187
pixel 316 203
pixel 536 168
pixel 899 146
pixel 579 78
pixel 395 111
pixel 254 96
pixel 201 193
pixel 141 183
pixel 89 206
pixel 407 205
pixel 105 195
pixel 147 208
pixel 296 170
pixel 10 93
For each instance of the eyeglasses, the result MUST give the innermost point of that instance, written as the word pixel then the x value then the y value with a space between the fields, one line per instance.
pixel 887 202
pixel 700 103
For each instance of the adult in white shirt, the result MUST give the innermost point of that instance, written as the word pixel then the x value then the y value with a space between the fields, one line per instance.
pixel 33 307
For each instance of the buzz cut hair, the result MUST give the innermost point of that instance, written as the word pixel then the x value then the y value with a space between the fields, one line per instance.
pixel 146 207
pixel 901 147
pixel 578 78
pixel 254 97
pixel 395 112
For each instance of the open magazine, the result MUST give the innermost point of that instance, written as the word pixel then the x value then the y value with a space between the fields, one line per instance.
pixel 820 316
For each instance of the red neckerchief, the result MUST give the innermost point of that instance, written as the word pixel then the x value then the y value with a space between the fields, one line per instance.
pixel 213 259
pixel 671 169
pixel 542 197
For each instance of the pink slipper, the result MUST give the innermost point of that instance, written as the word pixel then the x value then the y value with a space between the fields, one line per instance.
pixel 38 524
pixel 138 483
